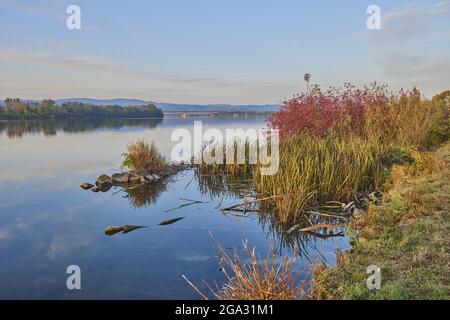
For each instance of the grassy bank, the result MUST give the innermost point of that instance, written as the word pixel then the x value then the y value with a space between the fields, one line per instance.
pixel 406 236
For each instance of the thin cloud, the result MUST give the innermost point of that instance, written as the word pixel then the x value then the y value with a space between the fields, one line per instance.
pixel 413 20
pixel 48 9
pixel 89 63
pixel 426 71
pixel 410 22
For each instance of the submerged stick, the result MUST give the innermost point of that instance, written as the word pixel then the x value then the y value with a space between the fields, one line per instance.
pixel 326 236
pixel 185 205
pixel 248 202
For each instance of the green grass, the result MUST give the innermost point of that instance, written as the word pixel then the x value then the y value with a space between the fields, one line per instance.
pixel 314 170
pixel 407 237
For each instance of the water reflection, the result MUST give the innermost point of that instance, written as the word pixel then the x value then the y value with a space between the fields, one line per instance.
pixel 303 244
pixel 300 243
pixel 145 194
pixel 17 129
pixel 48 222
pixel 222 185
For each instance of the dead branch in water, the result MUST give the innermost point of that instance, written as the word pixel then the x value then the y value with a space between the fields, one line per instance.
pixel 192 202
pixel 322 226
pixel 326 215
pixel 297 227
pixel 246 202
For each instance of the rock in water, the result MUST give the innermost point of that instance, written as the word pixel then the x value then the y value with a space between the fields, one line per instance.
pixel 86 186
pixel 120 178
pixel 142 179
pixel 105 187
pixel 103 180
pixel 135 179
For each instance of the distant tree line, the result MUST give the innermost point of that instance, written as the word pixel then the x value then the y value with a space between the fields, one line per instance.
pixel 51 127
pixel 15 108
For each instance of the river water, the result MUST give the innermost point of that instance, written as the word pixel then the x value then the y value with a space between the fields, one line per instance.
pixel 47 222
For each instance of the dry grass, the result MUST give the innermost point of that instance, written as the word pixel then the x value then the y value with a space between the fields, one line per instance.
pixel 272 278
pixel 410 120
pixel 143 157
pixel 255 278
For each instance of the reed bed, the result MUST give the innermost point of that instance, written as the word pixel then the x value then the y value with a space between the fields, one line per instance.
pixel 236 158
pixel 338 143
pixel 315 170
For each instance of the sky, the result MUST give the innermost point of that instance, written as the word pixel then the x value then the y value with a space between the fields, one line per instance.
pixel 204 51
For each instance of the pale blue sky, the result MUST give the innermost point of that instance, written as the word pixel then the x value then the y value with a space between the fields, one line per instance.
pixel 207 51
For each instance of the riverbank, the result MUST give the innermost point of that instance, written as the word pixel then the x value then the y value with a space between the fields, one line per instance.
pixel 362 158
pixel 406 236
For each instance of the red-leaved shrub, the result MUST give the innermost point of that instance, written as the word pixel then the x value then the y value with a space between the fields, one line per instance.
pixel 318 112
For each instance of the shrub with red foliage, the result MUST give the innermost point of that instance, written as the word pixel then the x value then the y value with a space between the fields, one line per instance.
pixel 318 112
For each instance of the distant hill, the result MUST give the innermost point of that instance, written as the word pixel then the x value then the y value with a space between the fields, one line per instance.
pixel 174 107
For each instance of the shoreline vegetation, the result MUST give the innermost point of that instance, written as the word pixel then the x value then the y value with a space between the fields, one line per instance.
pixel 341 148
pixel 361 161
pixel 142 164
pixel 406 236
pixel 16 109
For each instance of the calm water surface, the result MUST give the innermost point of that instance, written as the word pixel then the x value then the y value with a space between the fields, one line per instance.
pixel 47 222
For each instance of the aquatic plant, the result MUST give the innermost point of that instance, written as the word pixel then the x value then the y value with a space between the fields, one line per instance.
pixel 315 170
pixel 235 158
pixel 340 142
pixel 143 157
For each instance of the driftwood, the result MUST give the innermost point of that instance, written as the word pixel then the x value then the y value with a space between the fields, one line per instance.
pixel 314 227
pixel 322 226
pixel 246 202
pixel 326 215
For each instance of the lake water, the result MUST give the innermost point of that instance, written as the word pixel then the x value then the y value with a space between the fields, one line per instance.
pixel 47 222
